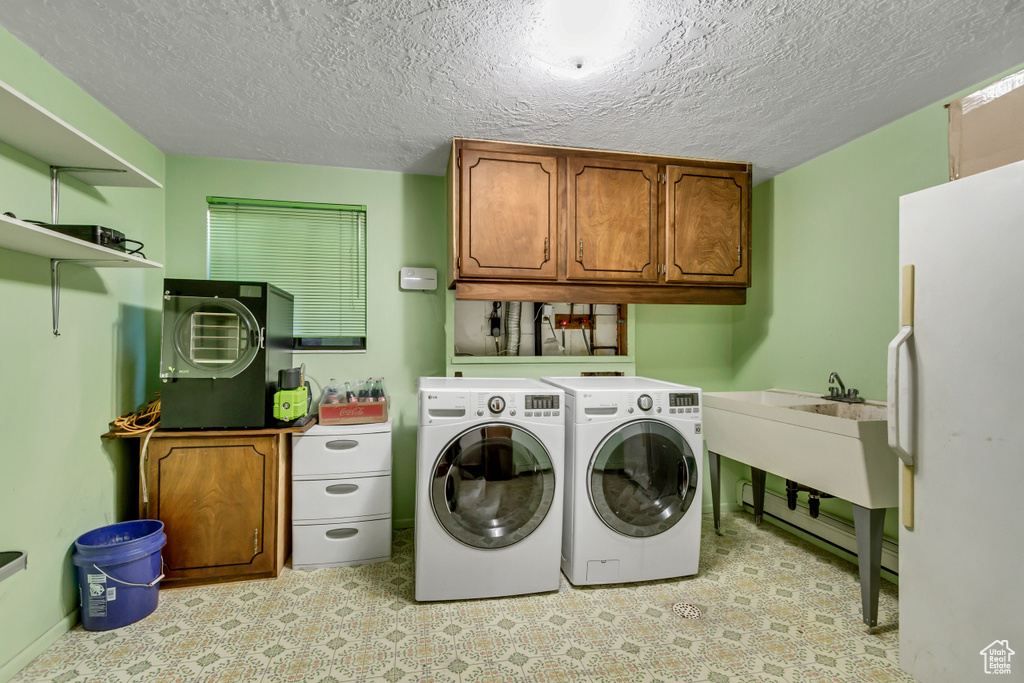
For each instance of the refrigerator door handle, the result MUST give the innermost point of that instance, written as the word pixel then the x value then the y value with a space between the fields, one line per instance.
pixel 899 398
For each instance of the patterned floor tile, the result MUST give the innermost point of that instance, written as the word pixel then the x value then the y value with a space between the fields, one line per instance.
pixel 425 651
pixel 179 672
pixel 773 608
pixel 396 675
pixel 482 644
pixel 363 660
pixel 248 667
pixel 615 666
pixel 540 640
pixel 673 663
pixel 310 664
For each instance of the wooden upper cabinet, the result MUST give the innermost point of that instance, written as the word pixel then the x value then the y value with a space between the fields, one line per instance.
pixel 542 223
pixel 613 218
pixel 707 226
pixel 509 215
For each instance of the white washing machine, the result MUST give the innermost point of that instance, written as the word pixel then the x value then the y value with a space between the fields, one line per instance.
pixel 634 455
pixel 489 484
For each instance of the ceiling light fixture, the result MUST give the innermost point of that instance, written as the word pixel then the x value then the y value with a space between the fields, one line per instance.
pixel 580 37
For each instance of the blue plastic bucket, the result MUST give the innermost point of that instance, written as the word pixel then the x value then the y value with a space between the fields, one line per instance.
pixel 119 573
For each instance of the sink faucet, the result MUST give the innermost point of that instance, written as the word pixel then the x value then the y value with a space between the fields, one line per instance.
pixel 842 393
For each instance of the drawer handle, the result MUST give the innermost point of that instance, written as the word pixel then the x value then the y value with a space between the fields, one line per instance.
pixel 337 534
pixel 342 444
pixel 341 489
pixel 447 412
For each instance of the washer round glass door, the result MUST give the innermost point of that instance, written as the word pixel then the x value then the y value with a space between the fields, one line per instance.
pixel 643 478
pixel 492 486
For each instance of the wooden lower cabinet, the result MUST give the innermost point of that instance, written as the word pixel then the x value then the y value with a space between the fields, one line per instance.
pixel 223 502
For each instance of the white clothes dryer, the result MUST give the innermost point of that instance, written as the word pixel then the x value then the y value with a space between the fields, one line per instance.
pixel 489 484
pixel 634 455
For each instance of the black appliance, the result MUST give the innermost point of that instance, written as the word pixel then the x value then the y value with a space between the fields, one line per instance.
pixel 223 344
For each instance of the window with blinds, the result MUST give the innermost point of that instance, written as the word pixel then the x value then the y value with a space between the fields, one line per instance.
pixel 316 252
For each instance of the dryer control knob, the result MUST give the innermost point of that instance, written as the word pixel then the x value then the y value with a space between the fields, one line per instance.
pixel 645 402
pixel 496 404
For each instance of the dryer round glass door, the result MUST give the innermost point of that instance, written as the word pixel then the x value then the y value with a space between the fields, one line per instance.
pixel 642 478
pixel 492 486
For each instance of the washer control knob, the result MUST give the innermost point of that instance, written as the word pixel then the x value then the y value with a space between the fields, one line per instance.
pixel 645 402
pixel 496 404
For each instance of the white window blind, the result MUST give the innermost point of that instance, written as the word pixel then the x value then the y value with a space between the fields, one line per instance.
pixel 315 252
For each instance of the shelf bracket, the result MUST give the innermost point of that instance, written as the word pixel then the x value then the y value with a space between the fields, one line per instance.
pixel 55 264
pixel 55 172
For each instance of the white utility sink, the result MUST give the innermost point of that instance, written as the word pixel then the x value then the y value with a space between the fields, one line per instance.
pixel 837 448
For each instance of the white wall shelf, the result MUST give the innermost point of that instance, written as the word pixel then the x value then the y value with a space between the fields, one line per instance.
pixel 32 239
pixel 11 562
pixel 28 127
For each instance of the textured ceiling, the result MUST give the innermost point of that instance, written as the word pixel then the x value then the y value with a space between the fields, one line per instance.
pixel 386 84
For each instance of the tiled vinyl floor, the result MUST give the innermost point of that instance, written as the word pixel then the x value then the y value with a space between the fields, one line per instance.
pixel 774 609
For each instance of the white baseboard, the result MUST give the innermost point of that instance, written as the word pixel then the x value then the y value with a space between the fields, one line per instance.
pixel 832 531
pixel 22 659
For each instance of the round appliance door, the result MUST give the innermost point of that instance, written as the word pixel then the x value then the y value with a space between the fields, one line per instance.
pixel 210 337
pixel 642 478
pixel 492 486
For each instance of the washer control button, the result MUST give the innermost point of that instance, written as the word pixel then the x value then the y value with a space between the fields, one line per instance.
pixel 479 412
pixel 645 402
pixel 496 404
pixel 631 410
pixel 512 413
pixel 555 413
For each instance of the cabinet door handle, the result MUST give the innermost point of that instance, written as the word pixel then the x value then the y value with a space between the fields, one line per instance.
pixel 256 541
pixel 546 251
pixel 341 489
pixel 581 250
pixel 342 444
pixel 739 254
pixel 339 534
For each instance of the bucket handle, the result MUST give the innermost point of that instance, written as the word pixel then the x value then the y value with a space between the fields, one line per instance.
pixel 126 583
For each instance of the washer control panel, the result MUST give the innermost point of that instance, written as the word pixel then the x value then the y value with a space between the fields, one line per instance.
pixel 441 406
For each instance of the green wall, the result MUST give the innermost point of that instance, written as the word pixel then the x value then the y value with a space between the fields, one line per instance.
pixel 405 226
pixel 57 478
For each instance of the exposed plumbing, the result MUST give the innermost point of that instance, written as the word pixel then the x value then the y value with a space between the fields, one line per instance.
pixel 513 311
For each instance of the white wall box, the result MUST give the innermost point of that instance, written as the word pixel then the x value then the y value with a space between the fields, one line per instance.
pixel 341 495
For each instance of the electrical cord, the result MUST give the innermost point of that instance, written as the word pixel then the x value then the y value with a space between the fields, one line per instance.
pixel 141 420
pixel 145 420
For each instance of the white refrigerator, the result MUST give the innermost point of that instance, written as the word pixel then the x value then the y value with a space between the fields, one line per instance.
pixel 956 402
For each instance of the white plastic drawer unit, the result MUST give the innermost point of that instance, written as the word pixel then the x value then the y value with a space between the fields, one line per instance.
pixel 345 543
pixel 350 449
pixel 322 499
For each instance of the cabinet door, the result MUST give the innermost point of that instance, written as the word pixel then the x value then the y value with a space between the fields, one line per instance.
pixel 613 214
pixel 509 215
pixel 707 226
pixel 215 497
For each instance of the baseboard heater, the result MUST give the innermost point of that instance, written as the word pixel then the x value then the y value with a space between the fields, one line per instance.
pixel 835 532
